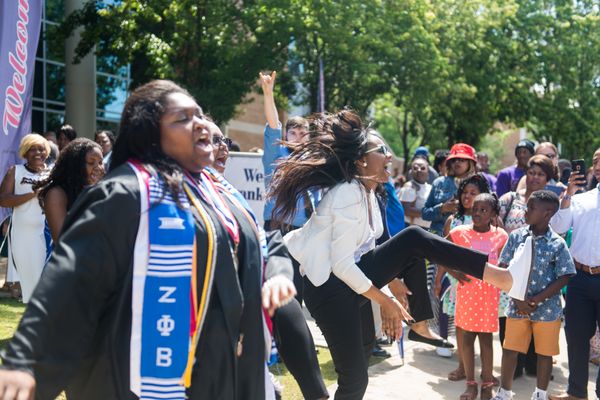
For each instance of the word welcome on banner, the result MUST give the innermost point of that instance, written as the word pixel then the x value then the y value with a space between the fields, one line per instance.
pixel 19 35
pixel 245 172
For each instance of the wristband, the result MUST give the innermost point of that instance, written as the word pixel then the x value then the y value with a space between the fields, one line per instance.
pixel 567 197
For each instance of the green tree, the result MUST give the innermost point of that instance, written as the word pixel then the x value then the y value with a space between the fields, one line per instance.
pixel 564 98
pixel 347 36
pixel 214 48
pixel 444 66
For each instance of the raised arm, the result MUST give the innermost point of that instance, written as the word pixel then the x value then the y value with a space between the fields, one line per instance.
pixel 267 83
pixel 562 221
pixel 273 149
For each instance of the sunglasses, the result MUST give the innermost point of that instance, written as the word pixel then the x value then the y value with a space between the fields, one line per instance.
pixel 219 140
pixel 379 149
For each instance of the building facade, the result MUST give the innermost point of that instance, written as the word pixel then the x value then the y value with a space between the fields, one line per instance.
pixel 90 95
pixel 55 90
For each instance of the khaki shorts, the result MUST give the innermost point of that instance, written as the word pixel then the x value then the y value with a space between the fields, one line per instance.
pixel 545 336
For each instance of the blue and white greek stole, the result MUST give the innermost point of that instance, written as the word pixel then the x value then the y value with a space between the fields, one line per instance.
pixel 163 313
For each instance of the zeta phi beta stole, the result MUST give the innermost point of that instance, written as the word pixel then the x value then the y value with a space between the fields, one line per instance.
pixel 166 317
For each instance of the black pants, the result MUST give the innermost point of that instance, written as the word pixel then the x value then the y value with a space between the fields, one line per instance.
pixel 294 340
pixel 297 349
pixel 337 309
pixel 582 315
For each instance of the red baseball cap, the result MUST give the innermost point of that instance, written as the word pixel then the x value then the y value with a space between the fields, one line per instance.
pixel 462 150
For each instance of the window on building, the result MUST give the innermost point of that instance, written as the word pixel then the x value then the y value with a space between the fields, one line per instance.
pixel 112 80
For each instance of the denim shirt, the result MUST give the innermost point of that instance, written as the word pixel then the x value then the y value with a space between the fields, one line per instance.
pixel 442 190
pixel 551 261
pixel 273 151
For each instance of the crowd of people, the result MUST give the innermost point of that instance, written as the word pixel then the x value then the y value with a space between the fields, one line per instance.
pixel 147 275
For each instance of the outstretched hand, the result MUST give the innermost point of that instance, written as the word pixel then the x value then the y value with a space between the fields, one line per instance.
pixel 277 292
pixel 392 315
pixel 267 82
pixel 16 385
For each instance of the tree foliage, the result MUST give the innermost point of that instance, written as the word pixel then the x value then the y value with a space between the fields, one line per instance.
pixel 214 48
pixel 431 71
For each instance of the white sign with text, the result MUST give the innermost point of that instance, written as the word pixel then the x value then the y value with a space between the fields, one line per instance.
pixel 245 172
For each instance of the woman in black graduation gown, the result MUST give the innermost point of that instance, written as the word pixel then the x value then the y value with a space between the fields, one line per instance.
pixel 76 334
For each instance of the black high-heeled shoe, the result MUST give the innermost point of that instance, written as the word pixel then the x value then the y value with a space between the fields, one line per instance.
pixel 415 337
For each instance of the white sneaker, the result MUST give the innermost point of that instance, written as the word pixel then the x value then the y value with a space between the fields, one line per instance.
pixel 537 395
pixel 502 394
pixel 519 269
pixel 443 352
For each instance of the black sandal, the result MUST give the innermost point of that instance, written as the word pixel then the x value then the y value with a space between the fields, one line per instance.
pixel 415 337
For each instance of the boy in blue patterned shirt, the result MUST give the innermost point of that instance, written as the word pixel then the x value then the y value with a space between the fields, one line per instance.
pixel 540 313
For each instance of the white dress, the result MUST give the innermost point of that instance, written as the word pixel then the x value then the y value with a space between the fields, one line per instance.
pixel 28 240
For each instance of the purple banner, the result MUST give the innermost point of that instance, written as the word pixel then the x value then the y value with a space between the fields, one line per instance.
pixel 19 35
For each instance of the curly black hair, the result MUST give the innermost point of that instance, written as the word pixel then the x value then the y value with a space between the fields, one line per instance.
pixel 475 179
pixel 548 197
pixel 328 158
pixel 69 171
pixel 492 199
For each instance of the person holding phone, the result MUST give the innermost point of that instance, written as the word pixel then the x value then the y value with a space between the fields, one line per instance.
pixel 582 213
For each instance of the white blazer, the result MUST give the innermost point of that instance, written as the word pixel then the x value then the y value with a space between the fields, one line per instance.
pixel 338 233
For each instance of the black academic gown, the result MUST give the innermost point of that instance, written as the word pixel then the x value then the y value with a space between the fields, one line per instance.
pixel 75 332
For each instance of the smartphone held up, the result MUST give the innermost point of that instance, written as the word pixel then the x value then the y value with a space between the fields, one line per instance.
pixel 578 168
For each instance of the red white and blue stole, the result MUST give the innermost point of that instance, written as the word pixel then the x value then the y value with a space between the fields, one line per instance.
pixel 165 323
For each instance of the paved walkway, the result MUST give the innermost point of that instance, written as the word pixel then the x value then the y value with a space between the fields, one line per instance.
pixel 422 374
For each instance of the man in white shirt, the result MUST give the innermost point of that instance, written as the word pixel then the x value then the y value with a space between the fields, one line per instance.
pixel 582 311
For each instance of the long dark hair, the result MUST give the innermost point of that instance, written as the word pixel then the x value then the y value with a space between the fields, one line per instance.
pixel 475 179
pixel 69 172
pixel 139 132
pixel 328 158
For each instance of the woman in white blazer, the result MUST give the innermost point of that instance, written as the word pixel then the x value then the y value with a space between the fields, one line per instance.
pixel 336 248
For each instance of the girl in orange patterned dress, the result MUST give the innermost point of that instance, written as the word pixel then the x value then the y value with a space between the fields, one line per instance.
pixel 477 301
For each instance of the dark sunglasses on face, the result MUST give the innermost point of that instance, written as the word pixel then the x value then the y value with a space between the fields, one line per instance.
pixel 380 149
pixel 219 140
